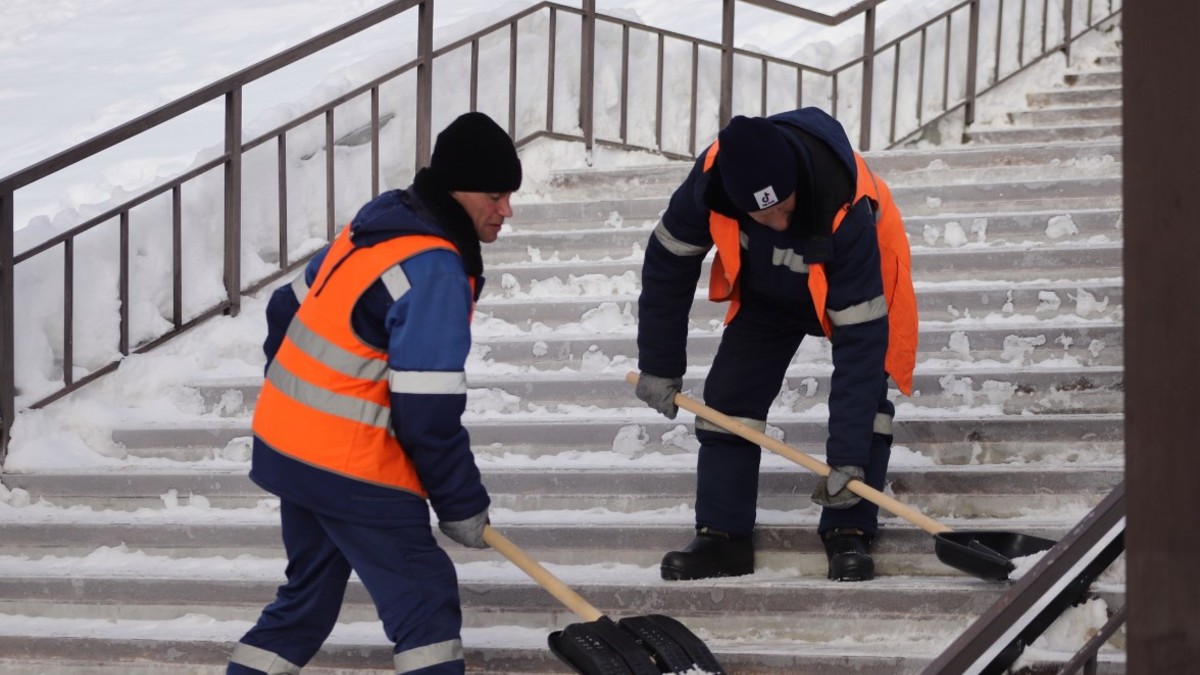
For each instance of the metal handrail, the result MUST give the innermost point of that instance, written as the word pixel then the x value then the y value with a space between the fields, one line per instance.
pixel 807 85
pixel 1057 581
pixel 1086 657
pixel 230 159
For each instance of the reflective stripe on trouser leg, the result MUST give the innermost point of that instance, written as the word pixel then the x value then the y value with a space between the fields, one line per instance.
pixel 415 590
pixel 429 655
pixel 259 661
pixel 865 515
pixel 704 425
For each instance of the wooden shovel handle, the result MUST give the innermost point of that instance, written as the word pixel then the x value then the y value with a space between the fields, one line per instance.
pixel 812 464
pixel 561 592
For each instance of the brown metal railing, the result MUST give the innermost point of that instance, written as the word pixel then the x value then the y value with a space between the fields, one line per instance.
pixel 1061 578
pixel 229 162
pixel 772 85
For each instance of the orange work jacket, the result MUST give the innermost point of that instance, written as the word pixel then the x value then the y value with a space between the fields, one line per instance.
pixel 895 263
pixel 326 400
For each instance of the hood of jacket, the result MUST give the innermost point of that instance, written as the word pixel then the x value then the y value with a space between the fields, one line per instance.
pixel 422 208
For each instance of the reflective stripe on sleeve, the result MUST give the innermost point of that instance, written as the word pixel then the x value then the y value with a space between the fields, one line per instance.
pixel 883 424
pixel 396 282
pixel 675 246
pixel 757 425
pixel 429 655
pixel 261 659
pixel 338 405
pixel 789 259
pixel 860 313
pixel 300 287
pixel 334 356
pixel 427 382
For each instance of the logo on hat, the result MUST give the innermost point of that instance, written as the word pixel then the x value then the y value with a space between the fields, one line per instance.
pixel 766 197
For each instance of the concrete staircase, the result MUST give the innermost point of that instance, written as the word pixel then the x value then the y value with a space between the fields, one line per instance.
pixel 159 564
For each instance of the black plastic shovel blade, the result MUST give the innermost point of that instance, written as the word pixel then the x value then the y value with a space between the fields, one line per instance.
pixel 648 645
pixel 600 647
pixel 675 648
pixel 987 555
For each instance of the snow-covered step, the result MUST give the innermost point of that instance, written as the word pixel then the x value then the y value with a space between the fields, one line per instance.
pixel 937 374
pixel 1059 116
pixel 1014 262
pixel 1075 96
pixel 785 541
pixel 978 197
pixel 1089 344
pixel 941 166
pixel 1094 78
pixel 198 645
pixel 1034 134
pixel 629 240
pixel 961 436
pixel 798 605
pixel 1054 387
pixel 996 387
pixel 1091 299
pixel 654 483
pixel 748 611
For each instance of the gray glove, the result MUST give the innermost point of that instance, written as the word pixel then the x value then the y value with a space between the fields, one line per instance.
pixel 831 490
pixel 467 532
pixel 659 393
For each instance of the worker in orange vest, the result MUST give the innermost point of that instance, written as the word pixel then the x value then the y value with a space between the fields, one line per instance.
pixel 358 427
pixel 808 243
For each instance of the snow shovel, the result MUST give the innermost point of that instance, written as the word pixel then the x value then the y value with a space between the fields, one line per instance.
pixel 985 554
pixel 638 645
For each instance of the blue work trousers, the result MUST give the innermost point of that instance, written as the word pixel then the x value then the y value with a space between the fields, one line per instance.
pixel 410 579
pixel 746 376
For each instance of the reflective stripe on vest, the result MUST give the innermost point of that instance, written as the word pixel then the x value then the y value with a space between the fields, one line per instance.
pixel 326 400
pixel 899 301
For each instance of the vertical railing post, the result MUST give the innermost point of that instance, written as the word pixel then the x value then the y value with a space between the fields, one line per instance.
pixel 868 82
pixel 424 82
pixel 550 49
pixel 330 177
pixel 587 74
pixel 233 200
pixel 1068 17
pixel 8 384
pixel 513 48
pixel 973 61
pixel 725 109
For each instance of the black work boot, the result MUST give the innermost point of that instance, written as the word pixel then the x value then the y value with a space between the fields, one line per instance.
pixel 849 553
pixel 710 554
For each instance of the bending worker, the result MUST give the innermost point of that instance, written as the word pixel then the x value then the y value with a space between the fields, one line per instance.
pixel 808 242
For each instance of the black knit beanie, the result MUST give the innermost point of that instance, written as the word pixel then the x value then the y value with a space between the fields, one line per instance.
pixel 474 154
pixel 758 167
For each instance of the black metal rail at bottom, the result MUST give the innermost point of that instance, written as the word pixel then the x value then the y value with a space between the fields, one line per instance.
pixel 1058 581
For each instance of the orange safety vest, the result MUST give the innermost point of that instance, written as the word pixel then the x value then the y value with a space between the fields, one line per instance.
pixel 326 400
pixel 895 263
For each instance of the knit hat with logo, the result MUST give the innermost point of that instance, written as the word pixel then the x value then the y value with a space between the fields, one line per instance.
pixel 757 165
pixel 473 154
